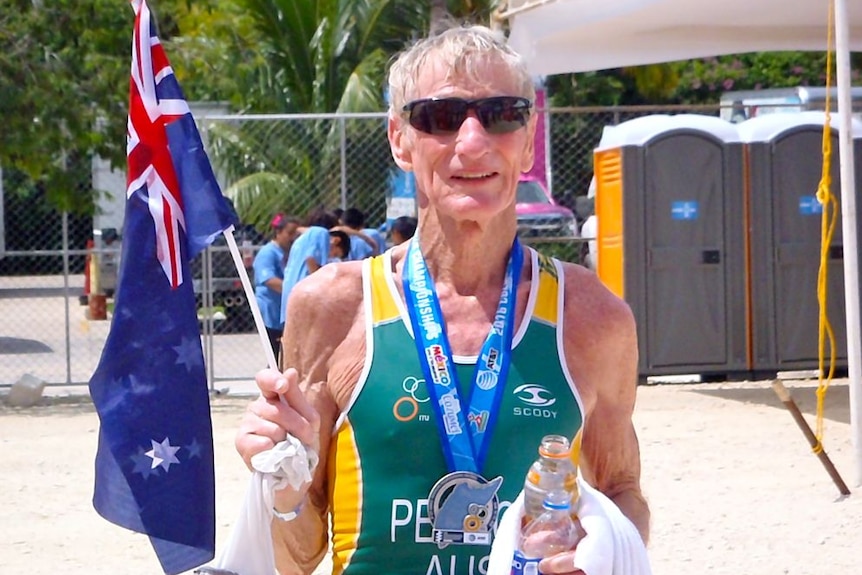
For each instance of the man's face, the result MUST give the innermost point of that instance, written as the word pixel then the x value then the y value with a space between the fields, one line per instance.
pixel 469 174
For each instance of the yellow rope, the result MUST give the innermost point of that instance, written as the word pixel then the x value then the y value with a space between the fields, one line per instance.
pixel 827 229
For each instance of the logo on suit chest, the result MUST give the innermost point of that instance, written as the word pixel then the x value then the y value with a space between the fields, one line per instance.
pixel 534 400
pixel 407 406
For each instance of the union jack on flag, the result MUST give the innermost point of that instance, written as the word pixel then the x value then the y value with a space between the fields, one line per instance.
pixel 154 464
pixel 155 100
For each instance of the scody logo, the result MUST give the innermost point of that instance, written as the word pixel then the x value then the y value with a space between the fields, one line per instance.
pixel 538 401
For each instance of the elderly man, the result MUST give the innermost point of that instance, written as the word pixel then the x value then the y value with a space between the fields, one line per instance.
pixel 441 364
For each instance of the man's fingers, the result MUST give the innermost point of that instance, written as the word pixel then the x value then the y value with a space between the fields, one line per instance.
pixel 282 409
pixel 272 383
pixel 300 426
pixel 265 419
pixel 251 445
pixel 560 564
pixel 294 398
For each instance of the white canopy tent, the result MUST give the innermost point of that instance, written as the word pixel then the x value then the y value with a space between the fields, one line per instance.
pixel 580 35
pixel 562 36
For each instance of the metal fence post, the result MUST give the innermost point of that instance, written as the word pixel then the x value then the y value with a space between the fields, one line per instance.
pixel 66 297
pixel 343 134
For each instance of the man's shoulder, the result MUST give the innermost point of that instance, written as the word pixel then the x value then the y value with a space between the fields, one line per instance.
pixel 324 307
pixel 599 333
pixel 589 302
pixel 333 287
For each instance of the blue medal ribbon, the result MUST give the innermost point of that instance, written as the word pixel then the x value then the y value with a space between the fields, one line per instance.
pixel 465 430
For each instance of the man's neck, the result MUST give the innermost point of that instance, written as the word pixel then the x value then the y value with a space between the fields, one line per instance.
pixel 469 257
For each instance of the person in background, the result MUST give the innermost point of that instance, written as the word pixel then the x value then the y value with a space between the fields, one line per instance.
pixel 268 268
pixel 361 245
pixel 376 349
pixel 403 228
pixel 339 246
pixel 309 252
pixel 590 256
pixel 589 231
pixel 378 237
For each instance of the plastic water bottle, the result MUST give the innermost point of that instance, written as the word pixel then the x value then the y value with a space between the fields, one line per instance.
pixel 552 532
pixel 554 470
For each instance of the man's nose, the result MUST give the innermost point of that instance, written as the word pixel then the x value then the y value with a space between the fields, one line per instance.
pixel 472 136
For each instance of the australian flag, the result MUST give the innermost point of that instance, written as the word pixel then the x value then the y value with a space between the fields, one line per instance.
pixel 154 465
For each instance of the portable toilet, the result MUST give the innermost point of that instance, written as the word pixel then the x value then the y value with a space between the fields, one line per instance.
pixel 670 239
pixel 785 161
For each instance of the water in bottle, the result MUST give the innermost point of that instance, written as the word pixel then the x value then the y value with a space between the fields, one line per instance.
pixel 554 531
pixel 554 470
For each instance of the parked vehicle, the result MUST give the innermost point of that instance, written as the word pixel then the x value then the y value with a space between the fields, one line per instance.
pixel 539 215
pixel 228 307
pixel 743 105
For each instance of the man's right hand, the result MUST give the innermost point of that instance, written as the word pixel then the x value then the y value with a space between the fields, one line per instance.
pixel 281 409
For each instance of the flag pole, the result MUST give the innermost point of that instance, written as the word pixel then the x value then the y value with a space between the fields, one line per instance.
pixel 252 301
pixel 791 406
pixel 849 232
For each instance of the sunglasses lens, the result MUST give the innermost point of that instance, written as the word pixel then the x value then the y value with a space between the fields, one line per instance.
pixel 438 116
pixel 504 114
pixel 498 115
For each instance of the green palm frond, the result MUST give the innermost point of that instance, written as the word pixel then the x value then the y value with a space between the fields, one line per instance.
pixel 321 56
pixel 362 92
pixel 257 196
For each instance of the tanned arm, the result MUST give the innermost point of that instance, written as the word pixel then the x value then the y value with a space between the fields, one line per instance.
pixel 602 354
pixel 321 310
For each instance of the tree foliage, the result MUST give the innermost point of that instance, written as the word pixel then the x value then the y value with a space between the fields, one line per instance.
pixel 326 56
pixel 64 89
pixel 704 80
pixel 698 81
pixel 214 51
pixel 63 83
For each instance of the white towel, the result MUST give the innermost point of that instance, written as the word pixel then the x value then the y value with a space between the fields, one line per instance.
pixel 612 545
pixel 249 550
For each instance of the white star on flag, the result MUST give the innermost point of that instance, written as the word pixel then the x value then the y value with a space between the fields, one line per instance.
pixel 163 454
pixel 189 353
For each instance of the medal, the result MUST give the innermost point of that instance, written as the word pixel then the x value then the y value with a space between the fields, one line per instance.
pixel 463 509
pixel 462 505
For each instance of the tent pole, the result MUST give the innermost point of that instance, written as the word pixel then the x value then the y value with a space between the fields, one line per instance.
pixel 848 230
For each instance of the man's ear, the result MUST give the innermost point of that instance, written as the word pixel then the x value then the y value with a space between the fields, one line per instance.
pixel 398 143
pixel 529 155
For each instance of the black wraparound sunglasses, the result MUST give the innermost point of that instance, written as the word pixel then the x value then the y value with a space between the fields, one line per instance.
pixel 498 115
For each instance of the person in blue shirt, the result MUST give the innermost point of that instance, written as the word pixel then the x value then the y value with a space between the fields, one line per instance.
pixel 378 238
pixel 403 229
pixel 361 244
pixel 318 244
pixel 269 274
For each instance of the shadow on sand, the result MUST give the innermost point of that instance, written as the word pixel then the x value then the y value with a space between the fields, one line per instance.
pixel 836 406
pixel 79 404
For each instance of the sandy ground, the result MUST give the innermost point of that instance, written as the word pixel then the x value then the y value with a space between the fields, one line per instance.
pixel 733 486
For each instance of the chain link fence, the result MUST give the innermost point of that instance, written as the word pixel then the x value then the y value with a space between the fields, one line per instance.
pixel 267 164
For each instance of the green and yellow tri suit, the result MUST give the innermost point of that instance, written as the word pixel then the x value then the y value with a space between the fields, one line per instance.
pixel 387 454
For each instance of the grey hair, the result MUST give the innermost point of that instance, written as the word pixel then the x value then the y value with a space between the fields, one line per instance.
pixel 466 50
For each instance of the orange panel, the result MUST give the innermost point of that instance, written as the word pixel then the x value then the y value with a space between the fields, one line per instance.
pixel 609 212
